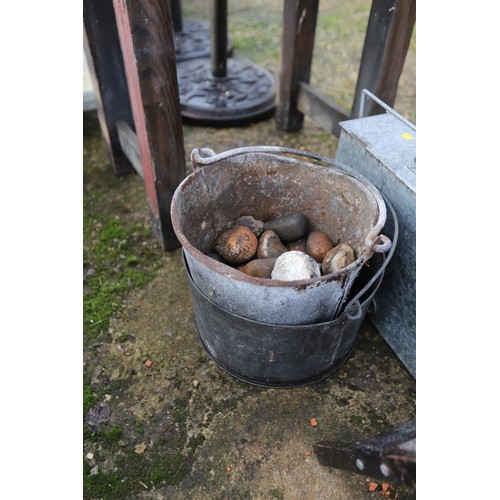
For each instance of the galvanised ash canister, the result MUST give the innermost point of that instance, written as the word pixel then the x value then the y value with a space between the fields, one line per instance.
pixel 267 182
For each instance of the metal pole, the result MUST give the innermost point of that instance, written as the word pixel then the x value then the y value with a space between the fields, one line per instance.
pixel 176 13
pixel 219 38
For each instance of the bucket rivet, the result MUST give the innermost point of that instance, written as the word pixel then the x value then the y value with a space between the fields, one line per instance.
pixel 385 470
pixel 360 464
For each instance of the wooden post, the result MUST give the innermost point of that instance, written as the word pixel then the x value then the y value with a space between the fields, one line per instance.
pixel 146 35
pixel 104 58
pixel 387 39
pixel 297 43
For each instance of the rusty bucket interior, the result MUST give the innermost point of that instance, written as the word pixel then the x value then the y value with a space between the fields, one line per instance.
pixel 267 182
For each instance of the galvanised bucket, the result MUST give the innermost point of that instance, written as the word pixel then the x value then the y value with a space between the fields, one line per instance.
pixel 283 356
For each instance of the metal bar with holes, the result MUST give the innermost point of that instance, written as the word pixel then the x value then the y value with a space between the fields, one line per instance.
pixel 389 456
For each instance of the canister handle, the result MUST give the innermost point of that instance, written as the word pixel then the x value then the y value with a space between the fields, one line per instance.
pixel 353 307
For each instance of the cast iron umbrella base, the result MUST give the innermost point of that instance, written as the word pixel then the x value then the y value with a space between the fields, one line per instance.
pixel 193 41
pixel 245 94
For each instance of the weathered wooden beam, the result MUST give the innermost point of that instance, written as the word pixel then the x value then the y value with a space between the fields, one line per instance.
pixel 105 62
pixel 388 35
pixel 146 36
pixel 320 108
pixel 297 44
pixel 130 146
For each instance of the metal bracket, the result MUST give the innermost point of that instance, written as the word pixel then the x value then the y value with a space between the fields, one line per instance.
pixel 389 456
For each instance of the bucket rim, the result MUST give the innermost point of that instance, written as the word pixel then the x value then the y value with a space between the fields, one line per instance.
pixel 369 295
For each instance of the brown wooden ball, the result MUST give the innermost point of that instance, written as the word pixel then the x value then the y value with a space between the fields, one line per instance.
pixel 237 245
pixel 318 244
pixel 337 258
pixel 270 246
pixel 258 268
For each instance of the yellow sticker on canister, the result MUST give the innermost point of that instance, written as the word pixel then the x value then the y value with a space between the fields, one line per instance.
pixel 407 136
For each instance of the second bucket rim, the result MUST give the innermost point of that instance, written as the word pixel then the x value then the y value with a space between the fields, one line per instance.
pixel 343 316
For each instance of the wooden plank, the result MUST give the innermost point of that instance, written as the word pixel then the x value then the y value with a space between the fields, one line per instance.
pixel 130 146
pixel 106 69
pixel 322 110
pixel 146 35
pixel 387 39
pixel 297 43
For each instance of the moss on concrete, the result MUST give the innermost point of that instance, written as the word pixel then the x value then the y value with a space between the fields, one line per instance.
pixel 89 398
pixel 119 262
pixel 119 252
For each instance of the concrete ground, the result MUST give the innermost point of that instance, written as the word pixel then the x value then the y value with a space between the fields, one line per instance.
pixel 161 419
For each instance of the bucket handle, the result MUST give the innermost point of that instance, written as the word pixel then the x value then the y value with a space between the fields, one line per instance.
pixel 206 156
pixel 353 307
pixel 384 246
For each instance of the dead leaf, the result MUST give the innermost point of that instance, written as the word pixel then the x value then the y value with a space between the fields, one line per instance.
pixel 148 363
pixel 140 448
pixel 97 415
pixel 314 422
pixel 228 468
pixel 385 487
pixel 372 486
pixel 307 453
